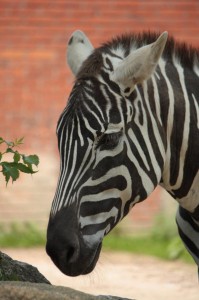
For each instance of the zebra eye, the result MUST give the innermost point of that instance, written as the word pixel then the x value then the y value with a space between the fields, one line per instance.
pixel 109 141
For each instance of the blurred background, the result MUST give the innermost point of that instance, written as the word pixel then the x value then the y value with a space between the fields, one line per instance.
pixel 35 82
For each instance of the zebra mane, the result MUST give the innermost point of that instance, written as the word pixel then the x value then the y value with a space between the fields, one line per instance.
pixel 186 54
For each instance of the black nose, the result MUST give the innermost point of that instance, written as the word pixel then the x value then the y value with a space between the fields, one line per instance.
pixel 66 246
pixel 71 252
pixel 64 252
pixel 63 242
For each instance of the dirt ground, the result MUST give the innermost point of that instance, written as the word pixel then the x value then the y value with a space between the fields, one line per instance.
pixel 121 274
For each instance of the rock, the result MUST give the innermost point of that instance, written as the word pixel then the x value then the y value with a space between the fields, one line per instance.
pixel 21 281
pixel 31 291
pixel 13 270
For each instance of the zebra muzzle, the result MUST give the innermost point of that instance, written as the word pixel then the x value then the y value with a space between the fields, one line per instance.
pixel 67 248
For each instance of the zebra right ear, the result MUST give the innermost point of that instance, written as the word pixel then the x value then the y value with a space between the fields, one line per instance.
pixel 140 64
pixel 79 48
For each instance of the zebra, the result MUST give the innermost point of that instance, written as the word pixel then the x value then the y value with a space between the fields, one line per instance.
pixel 131 123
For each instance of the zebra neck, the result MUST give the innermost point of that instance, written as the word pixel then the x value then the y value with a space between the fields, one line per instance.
pixel 178 91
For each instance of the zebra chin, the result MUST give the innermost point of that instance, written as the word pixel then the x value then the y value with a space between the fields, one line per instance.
pixel 82 264
pixel 65 245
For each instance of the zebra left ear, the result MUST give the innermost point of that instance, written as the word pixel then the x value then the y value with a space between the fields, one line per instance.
pixel 140 64
pixel 79 48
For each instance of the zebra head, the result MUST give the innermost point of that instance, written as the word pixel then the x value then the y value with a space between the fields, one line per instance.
pixel 108 162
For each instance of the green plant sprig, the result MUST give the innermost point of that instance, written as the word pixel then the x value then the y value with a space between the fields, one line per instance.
pixel 20 162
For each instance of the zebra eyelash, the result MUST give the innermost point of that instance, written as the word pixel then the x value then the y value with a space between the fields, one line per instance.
pixel 108 141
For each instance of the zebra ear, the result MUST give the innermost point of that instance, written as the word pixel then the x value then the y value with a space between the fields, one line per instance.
pixel 140 64
pixel 79 48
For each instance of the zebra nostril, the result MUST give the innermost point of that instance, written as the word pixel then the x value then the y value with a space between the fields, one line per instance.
pixel 71 254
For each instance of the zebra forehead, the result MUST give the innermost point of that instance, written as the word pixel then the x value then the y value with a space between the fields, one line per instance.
pixel 91 66
pixel 186 54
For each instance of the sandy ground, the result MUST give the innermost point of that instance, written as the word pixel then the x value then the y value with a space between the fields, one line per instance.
pixel 125 275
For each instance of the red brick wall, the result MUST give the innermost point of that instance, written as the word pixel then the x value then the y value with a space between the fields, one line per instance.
pixel 34 78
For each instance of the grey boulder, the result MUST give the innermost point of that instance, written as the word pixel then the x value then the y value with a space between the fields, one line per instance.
pixel 36 291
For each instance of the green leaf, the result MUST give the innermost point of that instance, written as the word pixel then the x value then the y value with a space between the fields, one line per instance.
pixel 19 141
pixel 9 150
pixel 31 160
pixel 14 173
pixel 25 169
pixel 9 171
pixel 16 157
pixel 6 174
